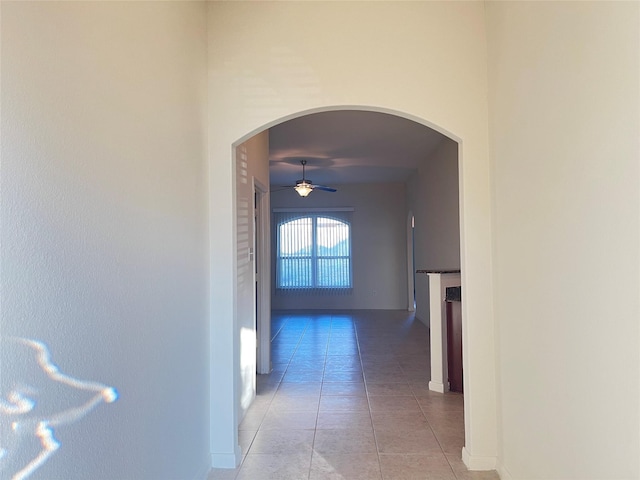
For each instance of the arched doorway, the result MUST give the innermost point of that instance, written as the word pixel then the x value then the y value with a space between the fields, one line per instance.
pixel 231 403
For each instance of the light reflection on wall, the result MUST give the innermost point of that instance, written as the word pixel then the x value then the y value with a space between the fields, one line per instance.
pixel 247 365
pixel 27 426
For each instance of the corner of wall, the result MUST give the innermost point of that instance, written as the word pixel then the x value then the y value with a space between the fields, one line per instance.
pixel 425 322
pixel 503 473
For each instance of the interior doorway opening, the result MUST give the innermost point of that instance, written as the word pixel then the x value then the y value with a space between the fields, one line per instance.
pixel 412 285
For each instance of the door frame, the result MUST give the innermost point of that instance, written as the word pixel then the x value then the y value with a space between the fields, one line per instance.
pixel 262 280
pixel 411 272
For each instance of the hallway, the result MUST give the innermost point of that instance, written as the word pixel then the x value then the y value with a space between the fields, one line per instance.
pixel 347 399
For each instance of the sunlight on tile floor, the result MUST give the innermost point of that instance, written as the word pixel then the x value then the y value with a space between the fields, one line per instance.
pixel 348 400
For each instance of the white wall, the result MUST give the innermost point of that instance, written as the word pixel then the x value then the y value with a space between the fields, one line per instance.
pixel 103 208
pixel 379 246
pixel 564 97
pixel 104 228
pixel 252 165
pixel 433 198
pixel 270 61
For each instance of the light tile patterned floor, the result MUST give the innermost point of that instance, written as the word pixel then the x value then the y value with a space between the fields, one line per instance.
pixel 348 400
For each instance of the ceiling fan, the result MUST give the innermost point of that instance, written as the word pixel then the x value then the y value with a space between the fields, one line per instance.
pixel 305 186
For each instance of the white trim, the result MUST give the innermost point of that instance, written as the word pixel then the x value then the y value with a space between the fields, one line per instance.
pixel 437 387
pixel 226 460
pixel 478 463
pixel 263 251
pixel 313 209
pixel 411 270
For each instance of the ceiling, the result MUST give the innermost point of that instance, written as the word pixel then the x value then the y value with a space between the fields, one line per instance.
pixel 349 146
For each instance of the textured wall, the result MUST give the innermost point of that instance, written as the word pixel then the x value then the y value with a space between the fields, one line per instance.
pixel 104 253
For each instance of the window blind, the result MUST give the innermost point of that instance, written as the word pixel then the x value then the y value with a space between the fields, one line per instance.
pixel 313 251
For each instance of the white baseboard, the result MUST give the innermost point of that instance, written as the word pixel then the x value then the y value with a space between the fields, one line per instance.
pixel 227 460
pixel 436 387
pixel 477 462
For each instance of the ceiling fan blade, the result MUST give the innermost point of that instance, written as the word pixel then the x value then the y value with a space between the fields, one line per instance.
pixel 322 187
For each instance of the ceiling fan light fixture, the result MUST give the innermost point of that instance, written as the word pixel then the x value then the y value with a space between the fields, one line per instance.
pixel 303 188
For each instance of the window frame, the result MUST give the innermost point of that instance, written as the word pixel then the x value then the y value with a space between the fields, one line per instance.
pixel 314 257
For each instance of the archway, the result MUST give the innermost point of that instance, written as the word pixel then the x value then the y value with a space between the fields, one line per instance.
pixel 482 463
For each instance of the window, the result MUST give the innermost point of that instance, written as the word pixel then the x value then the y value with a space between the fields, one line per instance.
pixel 313 251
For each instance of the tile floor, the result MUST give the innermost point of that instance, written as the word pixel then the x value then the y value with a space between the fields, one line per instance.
pixel 348 400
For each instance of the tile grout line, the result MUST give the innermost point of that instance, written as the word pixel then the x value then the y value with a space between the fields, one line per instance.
pixel 366 391
pixel 315 429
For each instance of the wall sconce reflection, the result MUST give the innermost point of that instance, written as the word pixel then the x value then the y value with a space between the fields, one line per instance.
pixel 27 429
